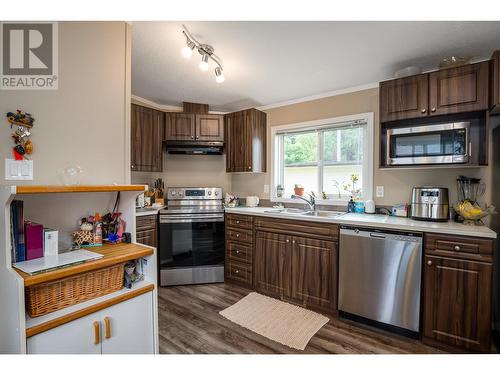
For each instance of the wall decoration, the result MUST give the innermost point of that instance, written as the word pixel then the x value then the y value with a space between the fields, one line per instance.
pixel 23 122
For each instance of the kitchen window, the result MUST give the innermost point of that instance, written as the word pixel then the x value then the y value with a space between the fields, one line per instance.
pixel 332 158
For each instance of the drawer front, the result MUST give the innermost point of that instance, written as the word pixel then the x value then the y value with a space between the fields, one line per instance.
pixel 145 222
pixel 324 231
pixel 459 247
pixel 240 235
pixel 239 221
pixel 236 251
pixel 239 272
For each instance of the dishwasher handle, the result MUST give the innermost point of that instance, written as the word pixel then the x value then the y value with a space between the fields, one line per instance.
pixel 377 235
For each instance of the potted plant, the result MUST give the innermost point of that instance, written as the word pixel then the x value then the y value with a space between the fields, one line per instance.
pixel 298 190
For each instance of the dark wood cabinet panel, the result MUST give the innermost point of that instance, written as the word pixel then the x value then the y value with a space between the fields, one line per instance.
pixel 200 108
pixel 326 231
pixel 239 272
pixel 246 134
pixel 239 252
pixel 180 127
pixel 459 247
pixel 457 303
pixel 314 275
pixel 239 221
pixel 209 128
pixel 495 83
pixel 270 256
pixel 147 127
pixel 146 230
pixel 462 89
pixel 404 98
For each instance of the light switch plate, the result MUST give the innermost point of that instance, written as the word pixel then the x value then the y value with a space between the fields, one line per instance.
pixel 266 189
pixel 379 192
pixel 18 169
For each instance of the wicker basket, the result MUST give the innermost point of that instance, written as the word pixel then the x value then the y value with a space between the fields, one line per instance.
pixel 56 295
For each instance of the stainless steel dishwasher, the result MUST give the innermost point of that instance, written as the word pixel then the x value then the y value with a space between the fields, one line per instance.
pixel 379 277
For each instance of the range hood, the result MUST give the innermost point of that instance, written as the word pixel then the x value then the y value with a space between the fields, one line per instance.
pixel 194 148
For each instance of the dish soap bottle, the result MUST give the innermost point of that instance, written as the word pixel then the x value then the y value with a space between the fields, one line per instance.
pixel 351 206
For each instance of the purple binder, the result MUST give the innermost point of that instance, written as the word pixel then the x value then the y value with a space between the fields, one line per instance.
pixel 33 234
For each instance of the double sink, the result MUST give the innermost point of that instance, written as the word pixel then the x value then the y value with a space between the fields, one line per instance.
pixel 302 212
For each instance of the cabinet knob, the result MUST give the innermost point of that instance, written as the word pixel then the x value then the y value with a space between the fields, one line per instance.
pixel 237 235
pixel 249 168
pixel 132 166
pixel 237 251
pixel 192 137
pixel 287 241
pixel 433 109
pixel 236 271
pixel 429 262
pixel 237 221
pixel 423 110
pixel 293 241
pixel 456 248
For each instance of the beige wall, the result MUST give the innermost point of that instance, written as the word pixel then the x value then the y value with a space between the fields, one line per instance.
pixel 189 170
pixel 85 121
pixel 397 183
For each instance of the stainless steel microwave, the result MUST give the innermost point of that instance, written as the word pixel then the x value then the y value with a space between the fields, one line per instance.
pixel 429 144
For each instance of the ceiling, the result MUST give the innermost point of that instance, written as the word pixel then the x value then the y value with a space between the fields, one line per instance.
pixel 271 62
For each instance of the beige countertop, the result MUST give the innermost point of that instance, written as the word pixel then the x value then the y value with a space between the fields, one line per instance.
pixel 376 221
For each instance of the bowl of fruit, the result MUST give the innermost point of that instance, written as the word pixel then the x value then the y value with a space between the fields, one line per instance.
pixel 473 213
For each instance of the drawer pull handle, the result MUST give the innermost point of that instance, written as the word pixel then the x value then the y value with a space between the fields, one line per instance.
pixel 237 235
pixel 107 325
pixel 237 221
pixel 429 262
pixel 236 271
pixel 97 335
pixel 237 251
pixel 456 248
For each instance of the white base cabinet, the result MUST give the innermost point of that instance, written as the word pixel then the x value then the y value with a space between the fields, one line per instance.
pixel 124 328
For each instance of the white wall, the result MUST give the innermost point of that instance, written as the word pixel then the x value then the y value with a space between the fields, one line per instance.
pixel 85 121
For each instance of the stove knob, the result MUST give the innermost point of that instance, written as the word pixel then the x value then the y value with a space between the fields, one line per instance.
pixel 173 193
pixel 180 193
pixel 209 193
pixel 216 193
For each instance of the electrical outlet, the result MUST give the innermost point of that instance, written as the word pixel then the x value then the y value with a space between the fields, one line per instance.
pixel 266 189
pixel 380 192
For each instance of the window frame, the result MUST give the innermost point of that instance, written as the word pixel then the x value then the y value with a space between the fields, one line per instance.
pixel 333 122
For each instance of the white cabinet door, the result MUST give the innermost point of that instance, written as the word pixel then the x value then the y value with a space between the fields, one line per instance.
pixel 130 326
pixel 76 337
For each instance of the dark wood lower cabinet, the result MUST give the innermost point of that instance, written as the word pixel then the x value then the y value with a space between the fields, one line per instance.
pixel 271 259
pixel 314 272
pixel 300 270
pixel 457 303
pixel 146 230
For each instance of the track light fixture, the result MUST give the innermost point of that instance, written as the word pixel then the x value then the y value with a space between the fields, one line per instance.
pixel 206 51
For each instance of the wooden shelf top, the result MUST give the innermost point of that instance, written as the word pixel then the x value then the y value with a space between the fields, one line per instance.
pixel 45 189
pixel 113 254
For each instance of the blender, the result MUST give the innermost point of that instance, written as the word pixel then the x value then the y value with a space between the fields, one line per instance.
pixel 470 189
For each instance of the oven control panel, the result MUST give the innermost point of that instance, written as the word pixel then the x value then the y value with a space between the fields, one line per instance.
pixel 178 193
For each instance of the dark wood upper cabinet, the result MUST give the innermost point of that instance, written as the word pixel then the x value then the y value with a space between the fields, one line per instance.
pixel 456 90
pixel 146 139
pixel 443 92
pixel 404 98
pixel 246 134
pixel 199 108
pixel 180 126
pixel 457 303
pixel 495 83
pixel 314 278
pixel 209 128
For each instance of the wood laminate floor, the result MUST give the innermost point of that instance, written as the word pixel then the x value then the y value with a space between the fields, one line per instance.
pixel 189 322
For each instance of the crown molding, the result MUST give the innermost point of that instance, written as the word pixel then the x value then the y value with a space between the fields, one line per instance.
pixel 319 96
pixel 163 107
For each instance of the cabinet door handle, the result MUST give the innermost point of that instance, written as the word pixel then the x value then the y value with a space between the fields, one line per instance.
pixel 132 166
pixel 237 251
pixel 192 137
pixel 237 235
pixel 429 262
pixel 456 248
pixel 107 325
pixel 433 109
pixel 287 241
pixel 293 241
pixel 249 168
pixel 237 221
pixel 197 137
pixel 423 110
pixel 97 334
pixel 236 271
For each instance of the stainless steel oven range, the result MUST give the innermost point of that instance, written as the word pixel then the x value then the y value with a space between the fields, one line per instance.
pixel 191 237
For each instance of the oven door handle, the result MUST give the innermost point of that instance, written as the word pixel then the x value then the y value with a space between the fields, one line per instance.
pixel 198 219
